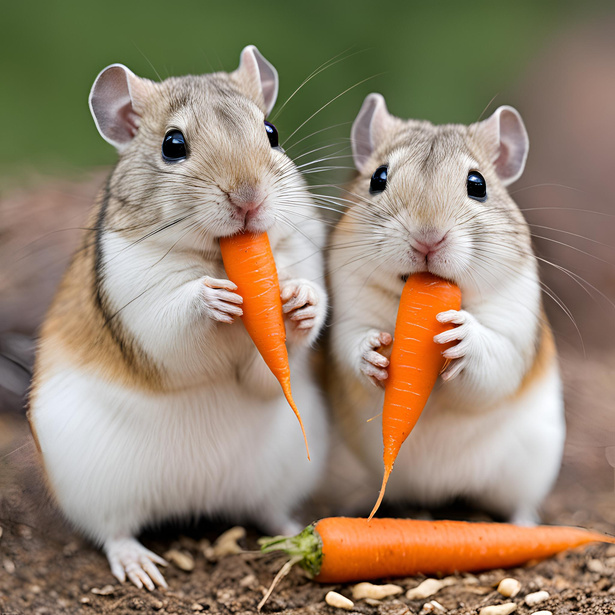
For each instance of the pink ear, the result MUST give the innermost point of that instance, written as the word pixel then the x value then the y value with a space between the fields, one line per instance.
pixel 115 102
pixel 258 71
pixel 367 128
pixel 505 134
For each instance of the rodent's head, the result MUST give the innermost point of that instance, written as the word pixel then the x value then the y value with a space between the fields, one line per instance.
pixel 434 197
pixel 197 147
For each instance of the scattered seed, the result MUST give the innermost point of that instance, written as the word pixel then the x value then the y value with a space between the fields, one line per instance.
pixel 542 613
pixel 182 559
pixel 1 531
pixel 85 600
pixel 248 581
pixel 227 542
pixel 375 592
pixel 536 598
pixel 103 591
pixel 428 587
pixel 9 566
pixel 197 607
pixel 499 609
pixel 509 587
pixel 595 565
pixel 433 607
pixel 338 601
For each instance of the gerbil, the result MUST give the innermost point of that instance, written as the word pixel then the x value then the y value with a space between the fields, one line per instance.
pixel 149 400
pixel 434 198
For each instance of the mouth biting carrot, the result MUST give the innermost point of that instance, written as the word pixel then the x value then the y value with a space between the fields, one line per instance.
pixel 341 549
pixel 249 263
pixel 416 361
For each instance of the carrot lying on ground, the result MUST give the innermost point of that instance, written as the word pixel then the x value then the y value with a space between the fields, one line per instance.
pixel 248 262
pixel 341 549
pixel 416 361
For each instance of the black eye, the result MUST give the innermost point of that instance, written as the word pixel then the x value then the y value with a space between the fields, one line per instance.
pixel 477 186
pixel 379 180
pixel 174 146
pixel 272 133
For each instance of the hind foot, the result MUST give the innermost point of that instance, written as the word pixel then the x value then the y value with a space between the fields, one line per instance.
pixel 129 558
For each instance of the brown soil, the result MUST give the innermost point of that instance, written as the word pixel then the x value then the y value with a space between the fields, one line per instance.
pixel 46 568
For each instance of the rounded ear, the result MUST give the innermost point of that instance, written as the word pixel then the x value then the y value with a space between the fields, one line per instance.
pixel 506 137
pixel 116 102
pixel 367 128
pixel 260 76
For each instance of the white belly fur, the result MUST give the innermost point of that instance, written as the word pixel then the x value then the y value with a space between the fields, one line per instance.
pixel 119 459
pixel 505 459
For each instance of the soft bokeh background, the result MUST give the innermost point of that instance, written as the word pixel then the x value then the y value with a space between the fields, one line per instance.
pixel 446 61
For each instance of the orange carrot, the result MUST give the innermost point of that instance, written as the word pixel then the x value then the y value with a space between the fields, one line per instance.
pixel 249 263
pixel 341 549
pixel 416 361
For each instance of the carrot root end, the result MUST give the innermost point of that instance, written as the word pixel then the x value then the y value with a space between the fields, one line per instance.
pixel 291 403
pixel 385 480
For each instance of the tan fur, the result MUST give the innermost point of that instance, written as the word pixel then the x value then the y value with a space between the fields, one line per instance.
pixel 545 357
pixel 80 327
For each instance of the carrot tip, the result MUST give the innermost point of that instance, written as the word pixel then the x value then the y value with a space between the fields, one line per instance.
pixel 291 402
pixel 385 479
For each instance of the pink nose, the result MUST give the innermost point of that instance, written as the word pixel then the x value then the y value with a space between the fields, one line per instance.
pixel 429 243
pixel 246 198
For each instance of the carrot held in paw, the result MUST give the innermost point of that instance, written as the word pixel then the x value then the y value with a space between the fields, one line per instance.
pixel 248 262
pixel 416 361
pixel 341 549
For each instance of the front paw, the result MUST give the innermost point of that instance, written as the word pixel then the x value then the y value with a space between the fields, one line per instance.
pixel 373 363
pixel 465 340
pixel 221 303
pixel 304 308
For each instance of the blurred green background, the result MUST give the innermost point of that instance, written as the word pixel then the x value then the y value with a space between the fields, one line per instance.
pixel 442 60
pixel 438 60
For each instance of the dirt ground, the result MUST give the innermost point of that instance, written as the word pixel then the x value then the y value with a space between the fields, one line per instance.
pixel 45 568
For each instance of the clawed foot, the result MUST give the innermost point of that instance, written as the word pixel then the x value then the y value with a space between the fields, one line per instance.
pixel 466 333
pixel 302 307
pixel 373 363
pixel 221 303
pixel 129 558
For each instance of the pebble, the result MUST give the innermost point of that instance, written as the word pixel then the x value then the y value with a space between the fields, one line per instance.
pixel 536 598
pixel 428 587
pixel 85 600
pixel 104 591
pixel 182 559
pixel 509 587
pixel 338 601
pixel 197 607
pixel 499 609
pixel 1 530
pixel 24 531
pixel 375 592
pixel 542 613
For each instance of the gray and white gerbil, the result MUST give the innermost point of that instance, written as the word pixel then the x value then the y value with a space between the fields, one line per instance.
pixel 149 400
pixel 433 198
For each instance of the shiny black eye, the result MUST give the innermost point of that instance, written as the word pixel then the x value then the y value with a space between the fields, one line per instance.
pixel 174 146
pixel 272 133
pixel 477 186
pixel 379 179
